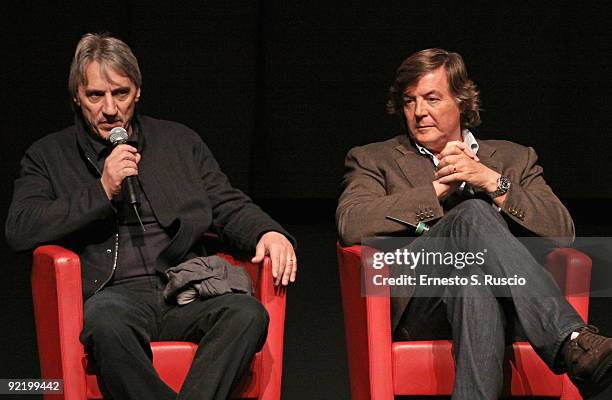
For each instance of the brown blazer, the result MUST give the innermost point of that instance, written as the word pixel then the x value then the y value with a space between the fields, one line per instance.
pixel 393 178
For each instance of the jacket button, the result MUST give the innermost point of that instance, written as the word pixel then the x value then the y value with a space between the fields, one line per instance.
pixel 109 251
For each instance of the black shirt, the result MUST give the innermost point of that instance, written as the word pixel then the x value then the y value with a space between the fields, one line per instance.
pixel 137 250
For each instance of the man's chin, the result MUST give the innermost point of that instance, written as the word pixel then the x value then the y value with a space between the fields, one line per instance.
pixel 99 133
pixel 432 143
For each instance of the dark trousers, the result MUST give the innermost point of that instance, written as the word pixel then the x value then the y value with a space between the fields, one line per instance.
pixel 479 318
pixel 120 321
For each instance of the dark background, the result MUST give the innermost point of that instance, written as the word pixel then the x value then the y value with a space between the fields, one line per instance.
pixel 281 90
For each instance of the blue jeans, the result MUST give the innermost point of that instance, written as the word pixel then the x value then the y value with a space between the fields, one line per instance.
pixel 482 319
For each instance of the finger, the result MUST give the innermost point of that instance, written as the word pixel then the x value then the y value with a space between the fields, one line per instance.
pixel 470 153
pixel 277 266
pixel 458 148
pixel 452 178
pixel 130 172
pixel 275 257
pixel 284 266
pixel 287 270
pixel 126 166
pixel 451 148
pixel 463 147
pixel 448 160
pixel 448 170
pixel 118 159
pixel 293 271
pixel 291 262
pixel 126 163
pixel 122 151
pixel 126 155
pixel 125 147
pixel 260 252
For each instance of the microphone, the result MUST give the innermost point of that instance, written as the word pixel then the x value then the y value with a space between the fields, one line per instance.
pixel 119 135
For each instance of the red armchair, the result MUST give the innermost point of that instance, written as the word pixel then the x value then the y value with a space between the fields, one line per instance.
pixel 381 369
pixel 58 312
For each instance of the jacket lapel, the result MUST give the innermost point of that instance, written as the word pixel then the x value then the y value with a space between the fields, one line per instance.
pixel 486 154
pixel 417 168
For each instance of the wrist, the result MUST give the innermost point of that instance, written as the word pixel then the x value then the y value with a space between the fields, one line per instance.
pixel 492 183
pixel 109 194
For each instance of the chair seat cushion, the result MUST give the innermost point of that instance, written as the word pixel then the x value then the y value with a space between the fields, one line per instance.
pixel 426 368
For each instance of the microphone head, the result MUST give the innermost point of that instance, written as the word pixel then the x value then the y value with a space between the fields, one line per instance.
pixel 118 135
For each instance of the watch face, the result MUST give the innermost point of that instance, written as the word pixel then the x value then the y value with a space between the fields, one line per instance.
pixel 504 184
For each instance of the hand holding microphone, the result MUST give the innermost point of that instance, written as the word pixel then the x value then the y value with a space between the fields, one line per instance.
pixel 121 163
pixel 120 170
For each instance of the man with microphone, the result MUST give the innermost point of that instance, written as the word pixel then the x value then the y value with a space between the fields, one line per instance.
pixel 69 192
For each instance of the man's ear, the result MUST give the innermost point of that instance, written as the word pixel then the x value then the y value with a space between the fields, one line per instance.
pixel 76 101
pixel 138 94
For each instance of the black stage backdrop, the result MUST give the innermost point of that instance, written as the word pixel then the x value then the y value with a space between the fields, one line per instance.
pixel 281 90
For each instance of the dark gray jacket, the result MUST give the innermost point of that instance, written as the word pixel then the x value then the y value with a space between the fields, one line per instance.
pixel 58 199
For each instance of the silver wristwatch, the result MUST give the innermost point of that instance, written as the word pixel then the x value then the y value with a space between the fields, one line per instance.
pixel 503 184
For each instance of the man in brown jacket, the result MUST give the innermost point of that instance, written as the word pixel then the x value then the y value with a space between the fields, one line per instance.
pixel 476 194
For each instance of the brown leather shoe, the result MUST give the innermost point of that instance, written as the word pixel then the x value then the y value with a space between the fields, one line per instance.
pixel 588 360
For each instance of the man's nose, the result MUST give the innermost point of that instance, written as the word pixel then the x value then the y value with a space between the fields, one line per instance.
pixel 419 109
pixel 110 106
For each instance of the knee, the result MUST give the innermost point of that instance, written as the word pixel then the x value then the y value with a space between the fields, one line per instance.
pixel 104 320
pixel 248 312
pixel 475 212
pixel 476 207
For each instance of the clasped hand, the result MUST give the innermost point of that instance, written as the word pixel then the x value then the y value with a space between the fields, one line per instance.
pixel 458 164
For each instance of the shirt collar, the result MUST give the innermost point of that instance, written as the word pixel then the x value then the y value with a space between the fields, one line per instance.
pixel 468 138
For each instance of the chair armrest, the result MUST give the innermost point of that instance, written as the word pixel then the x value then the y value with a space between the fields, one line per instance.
pixel 58 312
pixel 571 269
pixel 367 321
pixel 273 298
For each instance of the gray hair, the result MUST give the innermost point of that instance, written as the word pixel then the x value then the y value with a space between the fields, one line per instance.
pixel 109 52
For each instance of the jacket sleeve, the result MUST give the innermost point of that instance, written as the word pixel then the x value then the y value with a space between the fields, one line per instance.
pixel 236 218
pixel 39 214
pixel 366 201
pixel 531 203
